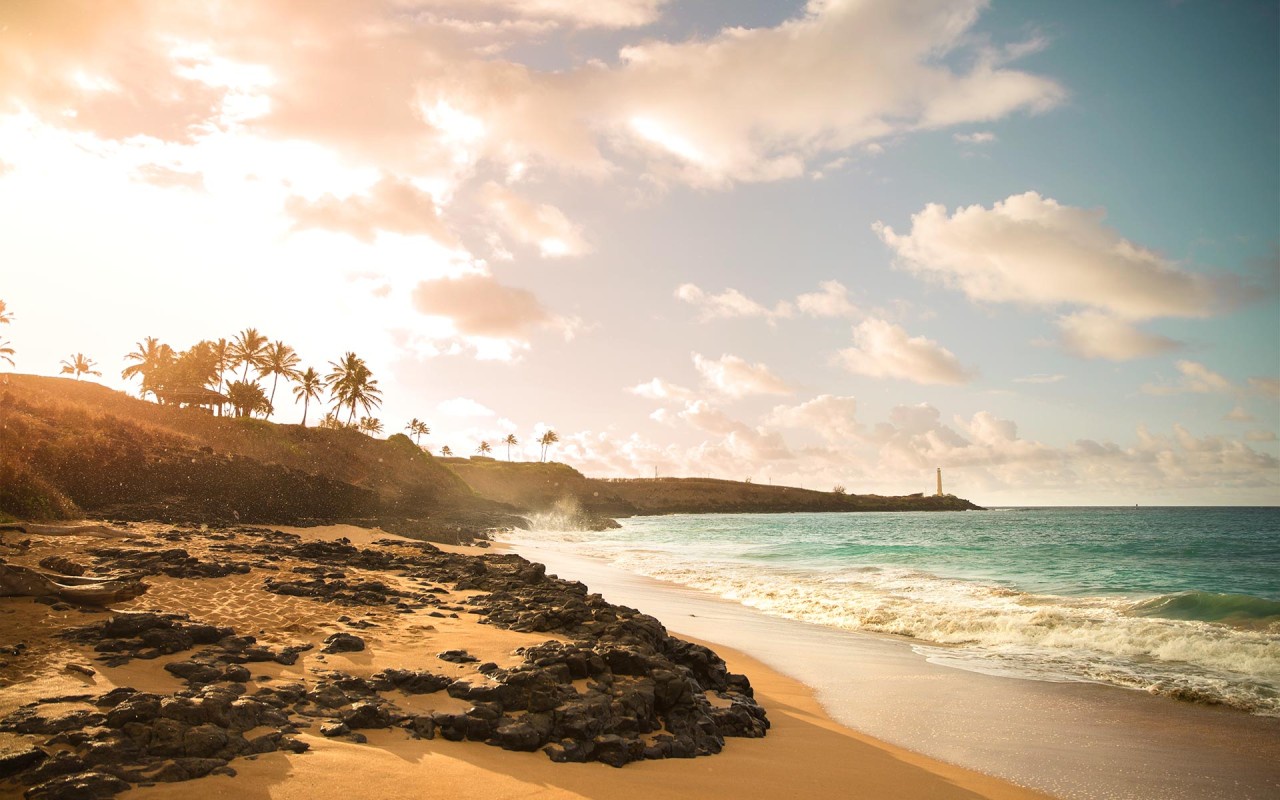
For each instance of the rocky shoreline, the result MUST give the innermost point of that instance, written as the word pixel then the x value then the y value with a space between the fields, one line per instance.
pixel 608 683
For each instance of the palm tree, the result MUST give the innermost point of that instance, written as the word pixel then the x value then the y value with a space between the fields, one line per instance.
pixel 6 352
pixel 509 442
pixel 278 359
pixel 417 429
pixel 6 316
pixel 222 352
pixel 310 387
pixel 248 398
pixel 331 422
pixel 351 384
pixel 445 452
pixel 247 350
pixel 79 364
pixel 370 425
pixel 484 449
pixel 152 356
pixel 546 440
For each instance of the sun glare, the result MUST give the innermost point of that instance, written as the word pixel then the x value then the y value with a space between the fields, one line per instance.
pixel 655 132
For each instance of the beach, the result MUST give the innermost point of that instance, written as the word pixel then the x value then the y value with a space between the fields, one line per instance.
pixel 803 751
pixel 1067 739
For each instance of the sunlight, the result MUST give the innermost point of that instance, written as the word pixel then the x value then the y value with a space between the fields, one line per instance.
pixel 656 133
pixel 456 128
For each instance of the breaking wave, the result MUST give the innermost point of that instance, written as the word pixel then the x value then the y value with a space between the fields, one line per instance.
pixel 1202 647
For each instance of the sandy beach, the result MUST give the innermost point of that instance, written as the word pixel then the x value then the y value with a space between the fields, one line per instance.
pixel 805 751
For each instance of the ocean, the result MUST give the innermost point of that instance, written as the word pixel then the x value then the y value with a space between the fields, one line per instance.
pixel 1183 602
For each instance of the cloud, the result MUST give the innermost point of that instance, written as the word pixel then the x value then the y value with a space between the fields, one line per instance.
pixel 464 407
pixel 541 225
pixel 164 177
pixel 1041 378
pixel 884 350
pixel 750 444
pixel 977 137
pixel 751 104
pixel 729 304
pixel 735 377
pixel 658 389
pixel 479 307
pixel 834 418
pixel 1096 334
pixel 1239 414
pixel 1033 250
pixel 392 204
pixel 1268 387
pixel 575 13
pixel 832 300
pixel 1260 435
pixel 1196 378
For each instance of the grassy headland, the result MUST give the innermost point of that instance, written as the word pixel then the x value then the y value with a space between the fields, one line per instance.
pixel 71 448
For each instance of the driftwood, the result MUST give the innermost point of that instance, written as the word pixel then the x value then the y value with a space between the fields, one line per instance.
pixel 38 529
pixel 16 581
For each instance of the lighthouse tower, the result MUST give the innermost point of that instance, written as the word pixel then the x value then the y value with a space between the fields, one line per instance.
pixel 939 481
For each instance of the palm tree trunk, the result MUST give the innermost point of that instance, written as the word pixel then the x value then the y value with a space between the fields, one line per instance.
pixel 306 401
pixel 274 380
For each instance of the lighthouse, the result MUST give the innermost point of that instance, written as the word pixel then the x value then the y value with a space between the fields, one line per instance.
pixel 939 481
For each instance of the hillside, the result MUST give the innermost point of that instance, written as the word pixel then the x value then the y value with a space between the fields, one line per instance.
pixel 559 488
pixel 69 448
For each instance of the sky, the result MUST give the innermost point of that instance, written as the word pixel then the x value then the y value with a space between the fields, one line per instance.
pixel 841 242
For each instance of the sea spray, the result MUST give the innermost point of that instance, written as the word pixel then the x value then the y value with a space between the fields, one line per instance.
pixel 564 515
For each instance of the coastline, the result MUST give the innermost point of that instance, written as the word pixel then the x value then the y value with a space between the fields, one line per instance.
pixel 804 751
pixel 1073 740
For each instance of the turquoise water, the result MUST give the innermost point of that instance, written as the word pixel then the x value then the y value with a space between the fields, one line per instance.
pixel 1177 601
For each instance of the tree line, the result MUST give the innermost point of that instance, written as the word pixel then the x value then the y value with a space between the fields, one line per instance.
pixel 216 374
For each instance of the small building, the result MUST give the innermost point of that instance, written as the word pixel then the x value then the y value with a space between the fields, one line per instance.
pixel 193 396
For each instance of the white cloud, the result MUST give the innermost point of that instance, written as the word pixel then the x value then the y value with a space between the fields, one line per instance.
pixel 754 104
pixel 392 205
pixel 593 14
pixel 1035 251
pixel 736 377
pixel 1041 378
pixel 1096 334
pixel 729 304
pixel 831 300
pixel 538 224
pixel 1239 414
pixel 487 314
pixel 1196 378
pixel 464 407
pixel 834 418
pixel 884 350
pixel 977 137
pixel 658 389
